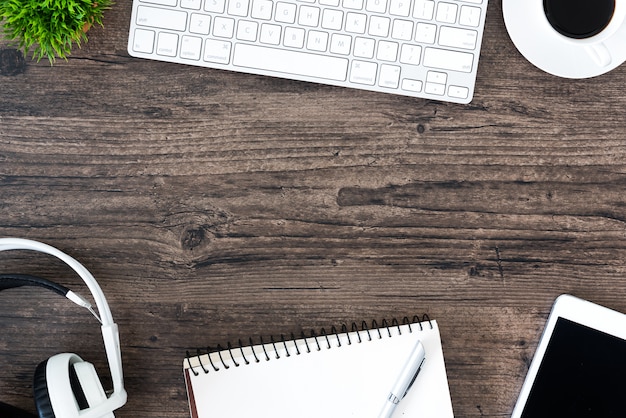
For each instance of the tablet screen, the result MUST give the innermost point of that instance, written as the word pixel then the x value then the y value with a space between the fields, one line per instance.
pixel 583 374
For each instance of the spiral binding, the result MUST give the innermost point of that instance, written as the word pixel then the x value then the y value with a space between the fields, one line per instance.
pixel 375 331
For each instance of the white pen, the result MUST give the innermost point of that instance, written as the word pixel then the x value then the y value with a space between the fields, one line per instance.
pixel 406 378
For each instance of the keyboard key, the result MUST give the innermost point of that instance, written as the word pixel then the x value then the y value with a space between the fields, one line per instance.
pixel 412 85
pixel 470 16
pixel 353 4
pixel 364 47
pixel 290 62
pixel 458 91
pixel 199 24
pixel 191 4
pixel 294 37
pixel 448 60
pixel 362 72
pixel 285 12
pixel 143 41
pixel 161 18
pixel 436 77
pixel 332 3
pixel 387 51
pixel 356 22
pixel 317 41
pixel 332 19
pixel 215 6
pixel 379 26
pixel 190 47
pixel 308 16
pixel 410 54
pixel 389 76
pixel 434 88
pixel 424 9
pixel 223 27
pixel 458 38
pixel 376 6
pixel 340 44
pixel 247 30
pixel 446 12
pixel 270 34
pixel 171 3
pixel 167 44
pixel 425 33
pixel 217 51
pixel 402 30
pixel 400 7
pixel 238 7
pixel 262 9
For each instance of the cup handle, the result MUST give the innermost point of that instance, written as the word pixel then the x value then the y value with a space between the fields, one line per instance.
pixel 599 53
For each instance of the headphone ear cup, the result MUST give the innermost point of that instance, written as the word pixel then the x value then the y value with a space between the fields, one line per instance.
pixel 40 392
pixel 86 385
pixel 64 385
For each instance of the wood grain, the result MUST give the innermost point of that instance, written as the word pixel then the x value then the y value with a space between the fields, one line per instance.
pixel 214 206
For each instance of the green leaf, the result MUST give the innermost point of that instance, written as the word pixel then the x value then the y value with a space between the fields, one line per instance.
pixel 49 28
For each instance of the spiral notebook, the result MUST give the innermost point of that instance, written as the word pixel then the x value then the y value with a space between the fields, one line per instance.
pixel 345 373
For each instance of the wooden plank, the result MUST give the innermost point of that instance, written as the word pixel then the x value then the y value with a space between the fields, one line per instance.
pixel 214 206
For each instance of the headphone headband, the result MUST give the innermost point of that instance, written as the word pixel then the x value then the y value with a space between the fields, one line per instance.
pixel 109 328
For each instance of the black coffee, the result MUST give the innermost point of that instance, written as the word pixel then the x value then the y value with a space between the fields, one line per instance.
pixel 579 19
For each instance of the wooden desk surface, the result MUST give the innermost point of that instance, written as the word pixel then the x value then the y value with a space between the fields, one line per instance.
pixel 213 206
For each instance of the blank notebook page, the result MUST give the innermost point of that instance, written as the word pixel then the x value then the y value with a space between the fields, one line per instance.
pixel 338 375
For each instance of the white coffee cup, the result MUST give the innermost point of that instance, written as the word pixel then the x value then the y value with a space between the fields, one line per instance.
pixel 585 23
pixel 592 44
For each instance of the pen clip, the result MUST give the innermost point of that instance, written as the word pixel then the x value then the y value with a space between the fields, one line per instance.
pixel 419 369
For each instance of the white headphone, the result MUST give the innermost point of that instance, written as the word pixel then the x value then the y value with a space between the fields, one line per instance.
pixel 66 386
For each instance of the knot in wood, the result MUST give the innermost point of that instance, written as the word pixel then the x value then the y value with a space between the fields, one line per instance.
pixel 192 238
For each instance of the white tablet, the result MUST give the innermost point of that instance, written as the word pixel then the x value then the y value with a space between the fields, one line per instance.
pixel 579 368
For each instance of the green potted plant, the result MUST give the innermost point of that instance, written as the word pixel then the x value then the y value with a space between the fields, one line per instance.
pixel 50 27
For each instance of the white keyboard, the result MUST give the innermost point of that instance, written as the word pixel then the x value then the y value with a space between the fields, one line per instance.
pixel 419 48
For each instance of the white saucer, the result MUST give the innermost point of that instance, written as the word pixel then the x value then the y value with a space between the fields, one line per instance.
pixel 540 44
